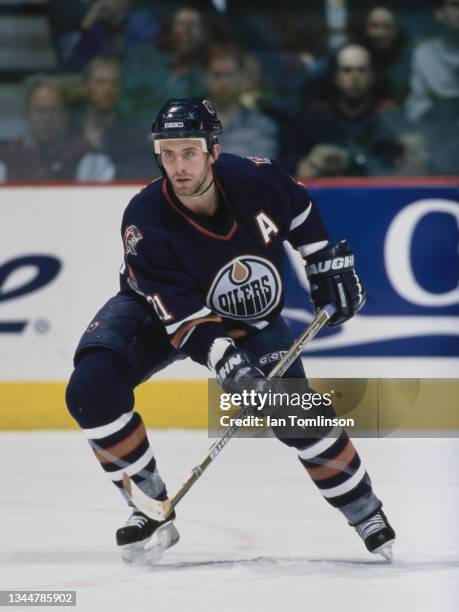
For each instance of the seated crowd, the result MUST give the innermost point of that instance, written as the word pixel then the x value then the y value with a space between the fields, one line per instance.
pixel 327 88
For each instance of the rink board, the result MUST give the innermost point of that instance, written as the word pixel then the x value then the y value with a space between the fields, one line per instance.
pixel 62 251
pixel 379 406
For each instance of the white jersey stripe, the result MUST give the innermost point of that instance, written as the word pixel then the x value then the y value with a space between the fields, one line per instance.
pixel 346 486
pixel 309 249
pixel 301 218
pixel 196 315
pixel 259 324
pixel 96 433
pixel 134 287
pixel 320 446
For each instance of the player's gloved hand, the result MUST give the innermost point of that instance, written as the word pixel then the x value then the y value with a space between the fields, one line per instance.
pixel 235 372
pixel 333 280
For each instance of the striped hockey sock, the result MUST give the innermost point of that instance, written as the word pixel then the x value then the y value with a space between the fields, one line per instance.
pixel 337 470
pixel 122 446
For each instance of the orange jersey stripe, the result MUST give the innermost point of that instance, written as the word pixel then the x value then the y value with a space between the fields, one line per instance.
pixel 333 466
pixel 123 447
pixel 177 338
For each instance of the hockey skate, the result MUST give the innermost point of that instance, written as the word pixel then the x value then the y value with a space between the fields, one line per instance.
pixel 143 539
pixel 377 534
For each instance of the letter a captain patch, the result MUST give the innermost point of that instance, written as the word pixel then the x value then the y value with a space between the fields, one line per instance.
pixel 267 227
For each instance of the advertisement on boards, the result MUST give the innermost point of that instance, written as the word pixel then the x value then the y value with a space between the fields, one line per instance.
pixel 62 252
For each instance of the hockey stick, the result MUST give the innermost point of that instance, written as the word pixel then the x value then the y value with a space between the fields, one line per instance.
pixel 160 510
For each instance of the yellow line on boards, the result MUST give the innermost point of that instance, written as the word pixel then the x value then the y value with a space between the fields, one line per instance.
pixel 384 405
pixel 162 403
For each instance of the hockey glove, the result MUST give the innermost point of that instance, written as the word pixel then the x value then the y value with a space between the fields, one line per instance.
pixel 236 374
pixel 333 280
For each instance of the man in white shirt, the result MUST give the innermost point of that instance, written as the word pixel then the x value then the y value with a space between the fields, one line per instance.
pixel 435 67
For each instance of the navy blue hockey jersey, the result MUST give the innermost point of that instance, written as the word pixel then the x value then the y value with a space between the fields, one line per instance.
pixel 210 278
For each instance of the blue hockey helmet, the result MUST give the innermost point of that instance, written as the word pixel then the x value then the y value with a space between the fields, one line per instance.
pixel 187 118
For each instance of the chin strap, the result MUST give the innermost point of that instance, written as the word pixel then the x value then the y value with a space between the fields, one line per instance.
pixel 195 195
pixel 198 195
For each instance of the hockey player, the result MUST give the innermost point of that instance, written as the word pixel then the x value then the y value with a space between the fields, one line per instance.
pixel 203 278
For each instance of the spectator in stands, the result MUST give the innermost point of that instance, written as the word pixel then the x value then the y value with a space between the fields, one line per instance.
pixel 47 151
pixel 173 68
pixel 98 120
pixel 390 52
pixel 108 27
pixel 293 68
pixel 412 157
pixel 247 131
pixel 435 67
pixel 352 120
pixel 440 128
pixel 324 160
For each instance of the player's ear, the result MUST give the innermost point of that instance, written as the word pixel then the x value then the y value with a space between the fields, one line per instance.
pixel 216 150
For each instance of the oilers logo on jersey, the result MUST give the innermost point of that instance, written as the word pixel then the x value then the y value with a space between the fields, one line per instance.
pixel 247 288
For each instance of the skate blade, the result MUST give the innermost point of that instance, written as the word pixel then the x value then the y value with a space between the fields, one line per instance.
pixel 385 551
pixel 131 553
pixel 150 550
pixel 164 537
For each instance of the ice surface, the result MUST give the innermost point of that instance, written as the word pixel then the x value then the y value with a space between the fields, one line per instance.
pixel 255 533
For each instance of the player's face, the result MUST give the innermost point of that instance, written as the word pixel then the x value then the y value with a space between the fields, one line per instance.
pixel 187 165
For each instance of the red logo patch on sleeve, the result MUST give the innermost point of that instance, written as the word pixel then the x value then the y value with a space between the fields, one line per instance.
pixel 132 236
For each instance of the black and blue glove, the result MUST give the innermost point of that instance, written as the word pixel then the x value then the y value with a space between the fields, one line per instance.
pixel 236 372
pixel 333 280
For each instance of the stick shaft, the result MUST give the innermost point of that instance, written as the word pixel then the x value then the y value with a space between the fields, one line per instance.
pixel 315 326
pixel 279 369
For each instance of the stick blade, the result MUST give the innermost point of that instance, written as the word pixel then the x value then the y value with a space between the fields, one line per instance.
pixel 155 509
